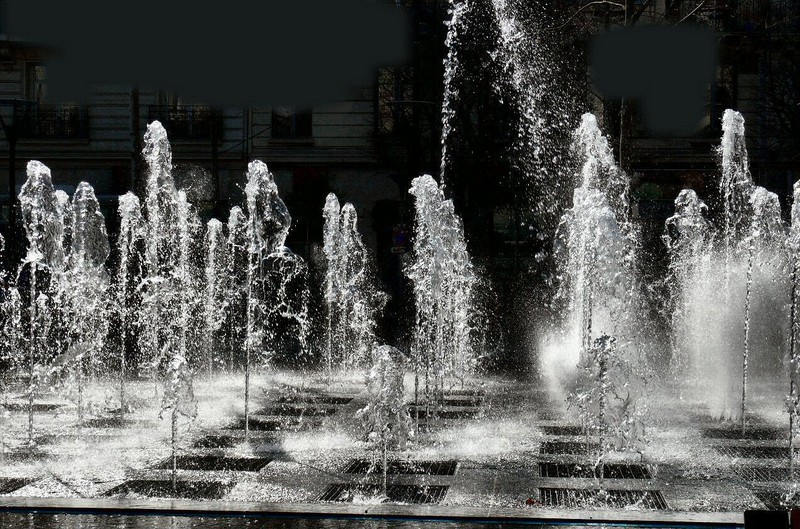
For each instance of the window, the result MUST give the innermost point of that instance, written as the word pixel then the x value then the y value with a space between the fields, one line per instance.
pixel 36 83
pixel 291 122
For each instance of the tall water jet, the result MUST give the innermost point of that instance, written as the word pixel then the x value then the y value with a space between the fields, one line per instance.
pixel 41 270
pixel 457 9
pixel 793 400
pixel 268 223
pixel 688 241
pixel 714 321
pixel 215 296
pixel 595 245
pixel 236 275
pixel 353 301
pixel 88 282
pixel 161 225
pixel 600 337
pixel 443 280
pixel 128 281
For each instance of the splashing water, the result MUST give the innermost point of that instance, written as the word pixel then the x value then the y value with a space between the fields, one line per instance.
pixel 443 279
pixel 353 301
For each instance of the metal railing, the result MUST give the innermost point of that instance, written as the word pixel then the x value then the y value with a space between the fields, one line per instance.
pixel 42 121
pixel 188 122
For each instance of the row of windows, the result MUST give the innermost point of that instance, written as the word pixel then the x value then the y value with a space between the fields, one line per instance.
pixel 182 120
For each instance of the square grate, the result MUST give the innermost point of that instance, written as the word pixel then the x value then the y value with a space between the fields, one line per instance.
pixel 418 494
pixel 432 412
pixel 109 422
pixel 212 462
pixel 9 485
pixel 568 447
pixel 287 410
pixel 776 500
pixel 259 424
pixel 757 474
pixel 163 489
pixel 217 441
pixel 432 468
pixel 754 452
pixel 610 471
pixel 563 429
pixel 588 498
pixel 757 433
pixel 38 407
pixel 315 399
pixel 466 392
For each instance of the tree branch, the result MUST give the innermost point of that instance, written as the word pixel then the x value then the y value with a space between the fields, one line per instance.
pixel 695 10
pixel 594 2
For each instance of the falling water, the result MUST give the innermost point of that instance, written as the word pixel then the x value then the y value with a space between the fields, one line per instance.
pixel 87 286
pixel 354 302
pixel 443 280
pixel 129 277
pixel 216 283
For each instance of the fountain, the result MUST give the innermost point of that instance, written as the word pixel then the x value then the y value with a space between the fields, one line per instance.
pixel 443 279
pixel 353 301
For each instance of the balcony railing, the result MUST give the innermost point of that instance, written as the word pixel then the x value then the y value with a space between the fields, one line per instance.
pixel 188 122
pixel 57 122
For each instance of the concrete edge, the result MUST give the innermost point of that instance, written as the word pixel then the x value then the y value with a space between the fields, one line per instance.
pixel 126 506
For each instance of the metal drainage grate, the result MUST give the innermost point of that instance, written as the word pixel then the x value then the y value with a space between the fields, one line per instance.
pixel 9 485
pixel 433 468
pixel 217 441
pixel 549 415
pixel 465 392
pixel 453 402
pixel 568 447
pixel 755 452
pixel 764 474
pixel 585 498
pixel 760 433
pixel 163 489
pixel 563 429
pixel 287 410
pixel 610 471
pixel 315 399
pixel 776 500
pixel 258 424
pixel 38 407
pixel 445 413
pixel 109 422
pixel 419 494
pixel 212 462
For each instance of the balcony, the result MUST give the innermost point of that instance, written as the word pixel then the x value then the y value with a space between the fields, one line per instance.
pixel 188 122
pixel 51 122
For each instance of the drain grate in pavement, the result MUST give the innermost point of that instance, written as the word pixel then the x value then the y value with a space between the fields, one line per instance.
pixel 259 424
pixel 217 441
pixel 776 499
pixel 163 489
pixel 763 474
pixel 465 392
pixel 549 415
pixel 38 407
pixel 567 447
pixel 433 468
pixel 755 452
pixel 109 422
pixel 288 410
pixel 445 413
pixel 453 402
pixel 419 494
pixel 610 471
pixel 563 429
pixel 585 498
pixel 762 433
pixel 9 485
pixel 315 399
pixel 212 462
